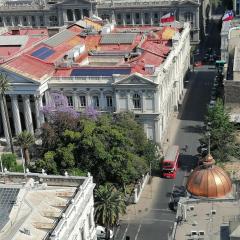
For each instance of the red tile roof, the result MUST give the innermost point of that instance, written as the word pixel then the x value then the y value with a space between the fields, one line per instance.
pixel 153 52
pixel 34 36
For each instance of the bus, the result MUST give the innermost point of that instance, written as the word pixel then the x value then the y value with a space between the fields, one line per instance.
pixel 170 162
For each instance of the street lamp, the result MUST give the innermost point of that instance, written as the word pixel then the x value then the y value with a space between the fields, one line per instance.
pixel 209 136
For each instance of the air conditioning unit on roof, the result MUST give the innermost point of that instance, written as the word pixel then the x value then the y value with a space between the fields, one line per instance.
pixel 194 233
pixel 213 212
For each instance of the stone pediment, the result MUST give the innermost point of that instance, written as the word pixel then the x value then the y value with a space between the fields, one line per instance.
pixel 135 80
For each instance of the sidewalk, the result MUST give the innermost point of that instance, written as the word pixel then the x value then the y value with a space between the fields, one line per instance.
pixel 145 202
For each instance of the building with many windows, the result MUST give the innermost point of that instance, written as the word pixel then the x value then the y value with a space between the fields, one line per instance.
pixel 122 69
pixel 40 206
pixel 55 13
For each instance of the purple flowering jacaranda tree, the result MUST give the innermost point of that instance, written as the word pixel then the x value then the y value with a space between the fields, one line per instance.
pixel 58 104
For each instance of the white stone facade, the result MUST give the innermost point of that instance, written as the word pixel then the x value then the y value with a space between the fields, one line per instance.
pixel 127 12
pixel 152 98
pixel 49 207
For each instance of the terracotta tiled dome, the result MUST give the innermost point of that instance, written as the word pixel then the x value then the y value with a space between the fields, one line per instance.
pixel 208 180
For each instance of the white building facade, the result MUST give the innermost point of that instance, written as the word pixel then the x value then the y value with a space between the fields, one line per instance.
pixel 47 207
pixel 127 12
pixel 152 98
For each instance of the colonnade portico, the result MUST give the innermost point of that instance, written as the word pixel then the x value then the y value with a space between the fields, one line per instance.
pixel 27 109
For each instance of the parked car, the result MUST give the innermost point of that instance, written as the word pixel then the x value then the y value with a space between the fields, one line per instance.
pixel 101 233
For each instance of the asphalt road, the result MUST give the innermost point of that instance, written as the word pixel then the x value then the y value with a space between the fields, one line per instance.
pixel 158 221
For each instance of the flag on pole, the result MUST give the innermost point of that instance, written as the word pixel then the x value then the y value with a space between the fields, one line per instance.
pixel 228 15
pixel 169 17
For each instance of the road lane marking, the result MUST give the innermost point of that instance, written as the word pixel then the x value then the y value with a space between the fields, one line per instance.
pixel 117 232
pixel 125 232
pixel 140 225
pixel 161 209
pixel 158 220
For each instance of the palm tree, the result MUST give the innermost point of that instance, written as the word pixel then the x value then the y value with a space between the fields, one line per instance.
pixel 4 87
pixel 25 139
pixel 109 204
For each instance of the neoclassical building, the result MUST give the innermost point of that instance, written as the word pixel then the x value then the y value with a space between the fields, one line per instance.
pixel 54 13
pixel 41 206
pixel 123 69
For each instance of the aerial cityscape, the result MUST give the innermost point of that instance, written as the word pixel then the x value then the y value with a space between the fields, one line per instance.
pixel 120 119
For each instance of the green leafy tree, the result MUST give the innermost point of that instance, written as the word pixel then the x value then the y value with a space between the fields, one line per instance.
pixel 221 130
pixel 25 140
pixel 109 204
pixel 4 87
pixel 48 163
pixel 114 148
pixel 9 161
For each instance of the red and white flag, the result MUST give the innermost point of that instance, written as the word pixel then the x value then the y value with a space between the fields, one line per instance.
pixel 169 17
pixel 228 16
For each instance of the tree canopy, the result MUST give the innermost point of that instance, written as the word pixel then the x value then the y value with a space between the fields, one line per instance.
pixel 114 148
pixel 221 130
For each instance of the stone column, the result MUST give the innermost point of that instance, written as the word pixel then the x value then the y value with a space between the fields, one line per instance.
pixel 156 101
pixel 133 18
pixel 21 20
pixel 12 21
pixel 142 18
pixel 47 98
pixel 16 115
pixel 38 110
pixel 117 101
pixel 129 101
pixel 27 113
pixel 151 18
pixel 4 21
pixel 29 20
pixel 75 101
pixel 46 21
pixel 123 20
pixel 4 120
pixel 37 20
pixel 74 16
pixel 89 102
pixel 64 15
pixel 102 105
pixel 143 102
pixel 157 130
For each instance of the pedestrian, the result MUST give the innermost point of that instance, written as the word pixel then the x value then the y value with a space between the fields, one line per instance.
pixel 186 148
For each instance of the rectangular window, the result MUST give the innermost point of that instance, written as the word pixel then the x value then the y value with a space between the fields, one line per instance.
pixel 119 16
pixel 83 101
pixel 70 100
pixel 109 101
pixel 95 101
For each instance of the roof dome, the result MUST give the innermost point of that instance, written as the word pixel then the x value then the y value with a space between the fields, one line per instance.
pixel 208 180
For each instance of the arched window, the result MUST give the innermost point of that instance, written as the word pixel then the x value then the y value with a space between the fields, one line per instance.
pixel 136 101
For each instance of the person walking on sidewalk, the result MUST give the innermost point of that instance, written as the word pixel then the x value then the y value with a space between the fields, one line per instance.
pixel 186 148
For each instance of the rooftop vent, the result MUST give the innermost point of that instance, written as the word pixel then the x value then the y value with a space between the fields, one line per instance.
pixel 191 208
pixel 194 233
pixel 213 212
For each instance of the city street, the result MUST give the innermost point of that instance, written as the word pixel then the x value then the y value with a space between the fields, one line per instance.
pixel 158 220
